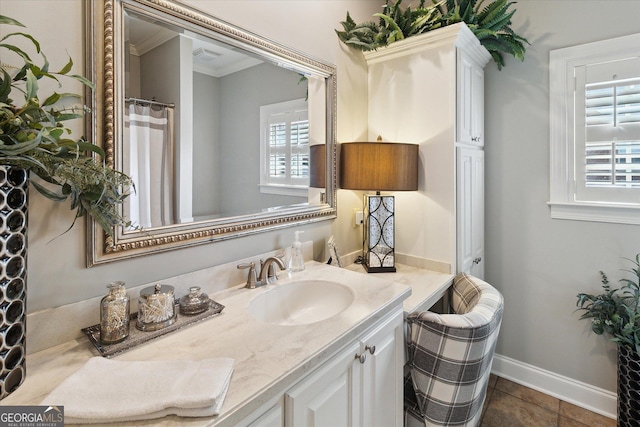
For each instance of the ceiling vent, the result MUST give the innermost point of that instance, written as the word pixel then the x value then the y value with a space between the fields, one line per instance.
pixel 206 55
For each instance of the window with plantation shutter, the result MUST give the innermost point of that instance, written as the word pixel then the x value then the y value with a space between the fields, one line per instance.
pixel 285 148
pixel 607 131
pixel 595 131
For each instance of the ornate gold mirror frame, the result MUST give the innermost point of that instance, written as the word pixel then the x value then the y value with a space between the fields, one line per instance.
pixel 105 58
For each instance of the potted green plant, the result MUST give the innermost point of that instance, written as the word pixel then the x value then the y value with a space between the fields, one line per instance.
pixel 37 148
pixel 33 137
pixel 491 24
pixel 616 313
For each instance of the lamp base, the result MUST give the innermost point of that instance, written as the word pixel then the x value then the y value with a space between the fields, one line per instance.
pixel 378 269
pixel 378 239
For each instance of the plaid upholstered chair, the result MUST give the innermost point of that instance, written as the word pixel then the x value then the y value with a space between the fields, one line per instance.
pixel 449 356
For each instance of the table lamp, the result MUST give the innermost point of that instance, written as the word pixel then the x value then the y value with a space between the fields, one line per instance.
pixel 379 166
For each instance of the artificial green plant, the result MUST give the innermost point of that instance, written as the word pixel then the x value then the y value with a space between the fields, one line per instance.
pixel 490 23
pixel 616 312
pixel 33 136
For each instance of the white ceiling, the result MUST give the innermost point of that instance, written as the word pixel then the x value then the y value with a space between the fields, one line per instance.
pixel 209 56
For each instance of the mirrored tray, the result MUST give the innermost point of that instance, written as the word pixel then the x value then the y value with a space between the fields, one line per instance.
pixel 137 337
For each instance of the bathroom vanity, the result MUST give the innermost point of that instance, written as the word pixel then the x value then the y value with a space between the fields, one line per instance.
pixel 342 368
pixel 339 371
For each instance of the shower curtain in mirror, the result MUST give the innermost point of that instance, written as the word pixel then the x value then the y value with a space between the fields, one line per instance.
pixel 148 160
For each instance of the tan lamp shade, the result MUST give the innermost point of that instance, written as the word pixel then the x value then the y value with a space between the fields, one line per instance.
pixel 317 166
pixel 379 166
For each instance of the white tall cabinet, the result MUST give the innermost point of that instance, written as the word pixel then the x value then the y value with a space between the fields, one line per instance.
pixel 429 90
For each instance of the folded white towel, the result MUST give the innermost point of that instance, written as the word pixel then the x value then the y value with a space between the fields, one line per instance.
pixel 105 390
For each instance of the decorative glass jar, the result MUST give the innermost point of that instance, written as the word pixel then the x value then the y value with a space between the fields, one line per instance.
pixel 195 302
pixel 156 308
pixel 114 314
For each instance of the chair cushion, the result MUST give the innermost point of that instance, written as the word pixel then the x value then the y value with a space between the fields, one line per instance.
pixel 465 293
pixel 450 356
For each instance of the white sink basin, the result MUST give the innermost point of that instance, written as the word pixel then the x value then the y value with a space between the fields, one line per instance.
pixel 301 302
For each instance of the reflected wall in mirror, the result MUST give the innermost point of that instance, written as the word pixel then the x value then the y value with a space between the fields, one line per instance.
pixel 213 123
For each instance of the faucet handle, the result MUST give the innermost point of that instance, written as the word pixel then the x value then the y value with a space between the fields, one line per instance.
pixel 252 278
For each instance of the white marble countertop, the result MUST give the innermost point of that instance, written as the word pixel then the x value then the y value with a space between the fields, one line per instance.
pixel 427 286
pixel 268 358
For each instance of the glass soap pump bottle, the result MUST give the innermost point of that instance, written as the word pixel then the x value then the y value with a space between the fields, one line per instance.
pixel 114 314
pixel 296 260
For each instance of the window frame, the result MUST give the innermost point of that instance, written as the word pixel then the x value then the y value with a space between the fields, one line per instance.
pixel 266 185
pixel 562 64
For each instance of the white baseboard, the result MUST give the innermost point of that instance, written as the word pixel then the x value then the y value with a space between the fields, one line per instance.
pixel 578 393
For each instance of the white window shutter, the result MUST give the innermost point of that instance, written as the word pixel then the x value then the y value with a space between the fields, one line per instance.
pixel 595 131
pixel 607 134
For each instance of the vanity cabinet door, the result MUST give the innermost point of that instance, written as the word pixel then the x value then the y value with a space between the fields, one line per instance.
pixel 273 417
pixel 382 386
pixel 328 397
pixel 359 387
pixel 469 101
pixel 270 414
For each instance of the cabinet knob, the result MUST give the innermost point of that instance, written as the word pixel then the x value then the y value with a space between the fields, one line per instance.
pixel 477 260
pixel 361 357
pixel 371 348
pixel 475 139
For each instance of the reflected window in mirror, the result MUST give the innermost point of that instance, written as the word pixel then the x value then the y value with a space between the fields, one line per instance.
pixel 284 148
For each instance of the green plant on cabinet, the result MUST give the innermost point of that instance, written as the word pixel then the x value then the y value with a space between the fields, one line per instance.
pixel 491 24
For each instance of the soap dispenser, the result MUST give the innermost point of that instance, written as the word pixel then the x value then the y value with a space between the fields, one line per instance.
pixel 296 261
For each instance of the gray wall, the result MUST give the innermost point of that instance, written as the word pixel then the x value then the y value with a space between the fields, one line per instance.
pixel 241 95
pixel 160 78
pixel 206 140
pixel 227 138
pixel 539 263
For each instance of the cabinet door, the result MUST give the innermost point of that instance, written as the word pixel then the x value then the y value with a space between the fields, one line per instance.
pixel 382 387
pixel 469 101
pixel 477 106
pixel 329 397
pixel 470 211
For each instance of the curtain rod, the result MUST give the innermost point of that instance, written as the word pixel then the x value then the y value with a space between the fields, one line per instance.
pixel 149 101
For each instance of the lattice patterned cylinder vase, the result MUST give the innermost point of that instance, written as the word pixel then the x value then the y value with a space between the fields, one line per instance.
pixel 13 271
pixel 628 387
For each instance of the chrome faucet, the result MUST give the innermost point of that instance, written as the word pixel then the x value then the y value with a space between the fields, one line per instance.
pixel 267 273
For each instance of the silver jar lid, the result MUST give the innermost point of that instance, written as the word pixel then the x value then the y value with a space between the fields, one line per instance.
pixel 158 289
pixel 194 302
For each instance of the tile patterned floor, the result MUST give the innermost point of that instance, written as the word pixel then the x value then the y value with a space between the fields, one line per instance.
pixel 511 405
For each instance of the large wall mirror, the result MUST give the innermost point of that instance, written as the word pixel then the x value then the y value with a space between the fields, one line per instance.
pixel 224 133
